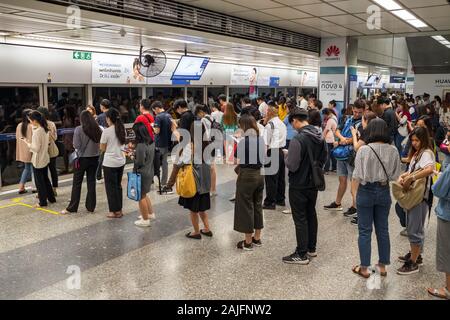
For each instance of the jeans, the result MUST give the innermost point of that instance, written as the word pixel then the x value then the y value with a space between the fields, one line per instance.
pixel 330 159
pixel 88 166
pixel 113 186
pixel 276 183
pixel 373 202
pixel 43 186
pixel 164 165
pixel 401 214
pixel 26 173
pixel 53 172
pixel 398 139
pixel 303 206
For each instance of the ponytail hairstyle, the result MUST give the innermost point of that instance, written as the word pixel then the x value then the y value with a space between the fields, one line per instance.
pixel 114 116
pixel 37 116
pixel 25 122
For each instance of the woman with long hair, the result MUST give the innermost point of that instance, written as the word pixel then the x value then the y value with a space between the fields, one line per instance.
pixel 230 125
pixel 69 121
pixel 86 141
pixel 422 165
pixel 53 135
pixel 40 158
pixel 112 143
pixel 328 133
pixel 143 156
pixel 248 209
pixel 24 130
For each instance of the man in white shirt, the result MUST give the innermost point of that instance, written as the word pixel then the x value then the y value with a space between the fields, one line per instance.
pixel 262 106
pixel 302 103
pixel 275 139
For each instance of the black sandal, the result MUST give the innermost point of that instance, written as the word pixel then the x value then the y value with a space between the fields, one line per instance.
pixel 196 236
pixel 208 234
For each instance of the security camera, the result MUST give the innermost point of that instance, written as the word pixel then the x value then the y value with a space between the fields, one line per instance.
pixel 122 32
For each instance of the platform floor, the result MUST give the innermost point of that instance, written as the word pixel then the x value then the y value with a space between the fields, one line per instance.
pixel 120 261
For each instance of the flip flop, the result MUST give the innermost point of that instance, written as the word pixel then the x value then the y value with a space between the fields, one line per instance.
pixel 196 236
pixel 208 234
pixel 437 293
pixel 357 270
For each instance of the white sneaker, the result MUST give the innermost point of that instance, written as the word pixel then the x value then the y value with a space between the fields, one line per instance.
pixel 213 194
pixel 142 223
pixel 150 217
pixel 101 181
pixel 287 211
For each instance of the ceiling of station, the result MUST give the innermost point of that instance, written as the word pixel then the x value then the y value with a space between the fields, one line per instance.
pixel 21 23
pixel 331 18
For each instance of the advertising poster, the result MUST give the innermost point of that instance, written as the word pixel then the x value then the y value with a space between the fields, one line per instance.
pixel 332 87
pixel 308 78
pixel 116 69
pixel 244 76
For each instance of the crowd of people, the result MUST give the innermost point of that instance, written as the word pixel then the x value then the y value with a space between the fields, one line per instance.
pixel 369 145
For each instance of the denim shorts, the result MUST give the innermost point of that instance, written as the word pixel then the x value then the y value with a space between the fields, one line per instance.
pixel 344 169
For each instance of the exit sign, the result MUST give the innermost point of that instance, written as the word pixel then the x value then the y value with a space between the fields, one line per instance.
pixel 82 55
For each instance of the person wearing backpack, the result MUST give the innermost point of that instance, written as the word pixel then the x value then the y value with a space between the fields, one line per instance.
pixel 305 159
pixel 422 165
pixel 343 154
pixel 376 164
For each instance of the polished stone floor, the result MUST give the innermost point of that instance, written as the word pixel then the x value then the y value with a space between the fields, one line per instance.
pixel 38 250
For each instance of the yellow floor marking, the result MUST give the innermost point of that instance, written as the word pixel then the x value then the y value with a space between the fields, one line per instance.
pixel 17 202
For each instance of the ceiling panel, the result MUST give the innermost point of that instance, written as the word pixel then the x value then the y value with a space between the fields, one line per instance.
pixel 345 19
pixel 298 2
pixel 423 3
pixel 286 13
pixel 218 5
pixel 320 9
pixel 353 6
pixel 363 29
pixel 315 22
pixel 256 4
pixel 255 15
pixel 433 12
pixel 341 31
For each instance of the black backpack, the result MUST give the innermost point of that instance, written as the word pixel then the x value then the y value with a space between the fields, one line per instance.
pixel 214 125
pixel 317 172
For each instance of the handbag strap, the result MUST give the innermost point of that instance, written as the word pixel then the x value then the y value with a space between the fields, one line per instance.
pixel 381 162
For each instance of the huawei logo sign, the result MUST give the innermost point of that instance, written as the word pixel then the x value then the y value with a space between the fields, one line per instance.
pixel 333 51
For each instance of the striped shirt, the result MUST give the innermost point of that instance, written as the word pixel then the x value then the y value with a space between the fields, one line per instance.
pixel 368 168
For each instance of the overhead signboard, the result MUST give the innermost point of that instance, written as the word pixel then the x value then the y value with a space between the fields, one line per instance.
pixel 190 68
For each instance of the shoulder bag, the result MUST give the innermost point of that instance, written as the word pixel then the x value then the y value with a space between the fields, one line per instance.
pixel 185 183
pixel 134 186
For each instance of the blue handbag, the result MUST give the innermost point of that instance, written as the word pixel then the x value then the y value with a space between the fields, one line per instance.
pixel 342 152
pixel 134 186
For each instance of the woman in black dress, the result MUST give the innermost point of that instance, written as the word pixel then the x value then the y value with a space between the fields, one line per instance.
pixel 201 202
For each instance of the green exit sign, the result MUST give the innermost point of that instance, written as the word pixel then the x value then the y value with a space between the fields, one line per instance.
pixel 82 55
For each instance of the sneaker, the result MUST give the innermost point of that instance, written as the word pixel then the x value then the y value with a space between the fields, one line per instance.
pixel 150 217
pixel 166 190
pixel 142 223
pixel 408 267
pixel 233 198
pixel 295 258
pixel 312 254
pixel 404 232
pixel 334 207
pixel 351 212
pixel 354 221
pixel 244 246
pixel 256 243
pixel 287 211
pixel 407 257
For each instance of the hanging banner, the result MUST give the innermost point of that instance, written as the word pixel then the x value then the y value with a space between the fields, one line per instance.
pixel 333 52
pixel 243 76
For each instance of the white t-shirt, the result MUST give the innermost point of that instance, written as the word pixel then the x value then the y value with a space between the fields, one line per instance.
pixel 427 159
pixel 303 104
pixel 217 116
pixel 114 157
pixel 331 127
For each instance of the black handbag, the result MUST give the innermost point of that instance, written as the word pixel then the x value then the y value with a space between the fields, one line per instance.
pixel 61 148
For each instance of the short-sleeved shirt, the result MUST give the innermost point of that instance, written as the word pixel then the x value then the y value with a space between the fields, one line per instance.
pixel 426 160
pixel 391 120
pixel 186 120
pixel 250 152
pixel 147 119
pixel 163 121
pixel 114 157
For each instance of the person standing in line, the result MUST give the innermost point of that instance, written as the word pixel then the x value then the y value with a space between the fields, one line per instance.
pixel 146 117
pixel 111 143
pixel 344 167
pixel 328 133
pixel 101 120
pixel 248 211
pixel 262 106
pixel 185 122
pixel 40 158
pixel 282 108
pixel 143 156
pixel 302 189
pixel 230 126
pixel 223 102
pixel 24 130
pixel 53 134
pixel 275 133
pixel 422 165
pixel 163 138
pixel 441 190
pixel 302 102
pixel 376 164
pixel 216 114
pixel 291 132
pixel 86 140
pixel 201 202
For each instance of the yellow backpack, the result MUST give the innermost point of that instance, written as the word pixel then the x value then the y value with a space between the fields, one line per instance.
pixel 185 184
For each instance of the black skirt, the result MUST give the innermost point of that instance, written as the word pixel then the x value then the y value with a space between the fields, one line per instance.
pixel 198 203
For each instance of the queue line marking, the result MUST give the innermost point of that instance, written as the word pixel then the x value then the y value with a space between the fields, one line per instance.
pixel 17 202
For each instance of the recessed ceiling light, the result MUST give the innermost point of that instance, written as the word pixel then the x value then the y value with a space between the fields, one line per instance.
pixel 446 62
pixel 271 53
pixel 417 23
pixel 438 38
pixel 389 4
pixel 448 46
pixel 445 42
pixel 404 14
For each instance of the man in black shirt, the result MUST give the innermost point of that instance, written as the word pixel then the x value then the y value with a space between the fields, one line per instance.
pixel 388 116
pixel 101 118
pixel 163 136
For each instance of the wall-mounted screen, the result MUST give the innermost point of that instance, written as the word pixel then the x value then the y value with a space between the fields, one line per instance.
pixel 373 79
pixel 190 68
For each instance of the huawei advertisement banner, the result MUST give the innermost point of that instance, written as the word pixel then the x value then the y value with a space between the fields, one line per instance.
pixel 333 52
pixel 331 87
pixel 433 84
